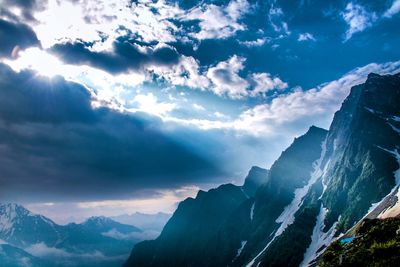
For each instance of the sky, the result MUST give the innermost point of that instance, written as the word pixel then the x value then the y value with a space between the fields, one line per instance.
pixel 111 107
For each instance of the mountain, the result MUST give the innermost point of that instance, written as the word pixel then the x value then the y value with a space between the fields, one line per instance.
pixel 321 187
pixel 97 239
pixel 11 256
pixel 155 222
pixel 21 227
pixel 216 225
pixel 256 177
pixel 107 226
pixel 195 223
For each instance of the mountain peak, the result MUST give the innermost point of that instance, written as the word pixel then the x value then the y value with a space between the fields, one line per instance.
pixel 314 128
pixel 99 220
pixel 254 179
pixel 13 210
pixel 373 75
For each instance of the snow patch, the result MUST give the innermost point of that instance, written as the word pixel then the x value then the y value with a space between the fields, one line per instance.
pixel 252 211
pixel 394 210
pixel 396 118
pixel 239 251
pixel 319 238
pixel 286 218
pixel 370 110
pixel 397 130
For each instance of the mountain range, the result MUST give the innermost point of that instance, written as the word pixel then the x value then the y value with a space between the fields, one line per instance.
pixel 321 188
pixel 31 238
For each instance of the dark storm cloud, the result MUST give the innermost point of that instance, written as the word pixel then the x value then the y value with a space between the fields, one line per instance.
pixel 125 55
pixel 15 34
pixel 54 145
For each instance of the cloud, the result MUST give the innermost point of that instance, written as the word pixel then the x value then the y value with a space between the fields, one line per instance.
pixel 276 19
pixel 357 18
pixel 393 10
pixel 300 108
pixel 295 111
pixel 305 37
pixel 126 55
pixel 55 144
pixel 20 10
pixel 254 43
pixel 15 36
pixel 136 236
pixel 226 80
pixel 218 22
pixel 225 77
pixel 263 82
pixel 184 73
pixel 149 103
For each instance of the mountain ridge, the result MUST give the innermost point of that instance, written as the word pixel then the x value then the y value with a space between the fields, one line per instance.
pixel 316 190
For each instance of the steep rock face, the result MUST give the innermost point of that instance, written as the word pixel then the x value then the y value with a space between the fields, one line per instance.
pixel 361 161
pixel 190 238
pixel 277 201
pixel 362 141
pixel 256 177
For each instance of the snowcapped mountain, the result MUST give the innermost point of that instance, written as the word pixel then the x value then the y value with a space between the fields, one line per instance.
pixel 320 187
pixel 21 227
pixel 99 241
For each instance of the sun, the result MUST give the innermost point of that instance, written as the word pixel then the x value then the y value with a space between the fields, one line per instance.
pixel 39 61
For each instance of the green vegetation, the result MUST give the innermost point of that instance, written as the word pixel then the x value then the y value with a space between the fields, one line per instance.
pixel 377 243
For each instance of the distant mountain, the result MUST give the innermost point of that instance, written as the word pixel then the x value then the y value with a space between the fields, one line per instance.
pixel 325 183
pixel 11 256
pixel 144 221
pixel 103 224
pixel 97 238
pixel 20 227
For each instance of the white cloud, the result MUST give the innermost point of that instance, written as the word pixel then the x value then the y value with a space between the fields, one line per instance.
pixel 276 19
pixel 306 37
pixel 42 250
pixel 264 83
pixel 185 73
pixel 225 78
pixel 314 106
pixel 143 235
pixel 357 18
pixel 394 9
pixel 254 43
pixel 198 107
pixel 149 103
pixel 84 20
pixel 218 22
pixel 294 112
